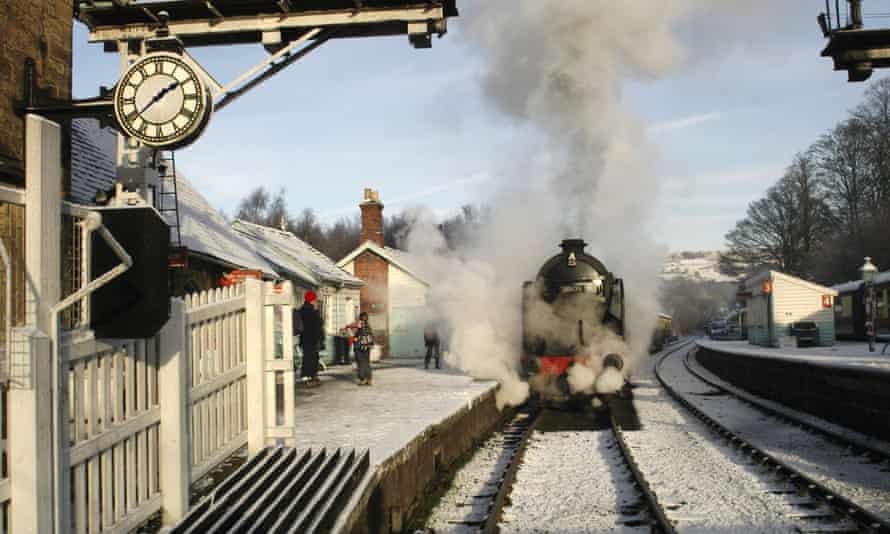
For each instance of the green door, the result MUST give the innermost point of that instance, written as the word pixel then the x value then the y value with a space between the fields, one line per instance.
pixel 406 333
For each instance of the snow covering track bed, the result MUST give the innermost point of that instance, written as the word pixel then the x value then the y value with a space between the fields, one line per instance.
pixel 833 489
pixel 580 477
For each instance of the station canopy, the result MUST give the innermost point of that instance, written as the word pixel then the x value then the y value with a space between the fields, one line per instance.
pixel 221 22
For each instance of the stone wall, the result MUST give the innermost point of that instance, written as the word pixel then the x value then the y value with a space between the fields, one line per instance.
pixel 399 485
pixel 41 30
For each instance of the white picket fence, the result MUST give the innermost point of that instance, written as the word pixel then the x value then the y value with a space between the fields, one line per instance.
pixel 150 417
pixel 99 435
pixel 216 336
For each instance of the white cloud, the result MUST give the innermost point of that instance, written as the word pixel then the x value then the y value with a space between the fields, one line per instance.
pixel 685 122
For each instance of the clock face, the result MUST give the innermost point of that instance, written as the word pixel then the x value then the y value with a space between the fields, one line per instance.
pixel 161 101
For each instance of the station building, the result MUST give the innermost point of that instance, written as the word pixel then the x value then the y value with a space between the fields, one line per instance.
pixel 395 295
pixel 775 301
pixel 339 292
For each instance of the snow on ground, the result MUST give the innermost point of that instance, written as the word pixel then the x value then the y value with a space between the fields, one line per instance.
pixel 706 485
pixel 570 482
pixel 844 353
pixel 476 477
pixel 851 476
pixel 703 266
pixel 403 402
pixel 853 436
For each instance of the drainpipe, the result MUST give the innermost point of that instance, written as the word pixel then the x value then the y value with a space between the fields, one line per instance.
pixel 7 266
pixel 92 223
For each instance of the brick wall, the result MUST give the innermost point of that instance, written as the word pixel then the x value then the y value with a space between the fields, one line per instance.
pixel 372 222
pixel 39 29
pixel 375 272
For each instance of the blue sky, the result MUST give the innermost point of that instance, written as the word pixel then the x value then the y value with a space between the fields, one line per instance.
pixel 415 125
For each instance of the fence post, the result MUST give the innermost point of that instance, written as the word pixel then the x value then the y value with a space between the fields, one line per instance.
pixel 29 446
pixel 43 222
pixel 287 328
pixel 174 397
pixel 255 357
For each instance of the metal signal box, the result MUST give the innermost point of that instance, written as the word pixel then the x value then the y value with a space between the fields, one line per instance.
pixel 136 304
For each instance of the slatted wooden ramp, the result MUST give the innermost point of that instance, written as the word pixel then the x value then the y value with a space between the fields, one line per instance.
pixel 281 490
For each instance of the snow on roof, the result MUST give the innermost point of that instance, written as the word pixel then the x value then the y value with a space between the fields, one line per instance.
pixel 853 285
pixel 204 230
pixel 93 165
pixel 399 258
pixel 754 282
pixel 287 250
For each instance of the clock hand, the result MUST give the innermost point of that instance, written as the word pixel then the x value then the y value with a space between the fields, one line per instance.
pixel 159 96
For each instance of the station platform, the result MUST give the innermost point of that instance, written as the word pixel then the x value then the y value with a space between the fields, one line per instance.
pixel 404 401
pixel 844 384
pixel 848 354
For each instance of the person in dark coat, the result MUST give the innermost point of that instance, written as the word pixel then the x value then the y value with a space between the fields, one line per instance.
pixel 431 340
pixel 311 337
pixel 364 341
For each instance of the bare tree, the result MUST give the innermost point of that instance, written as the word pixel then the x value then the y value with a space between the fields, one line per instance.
pixel 842 157
pixel 307 227
pixel 785 228
pixel 342 237
pixel 252 208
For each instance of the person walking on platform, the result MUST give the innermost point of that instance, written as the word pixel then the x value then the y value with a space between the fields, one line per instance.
pixel 431 340
pixel 364 341
pixel 311 337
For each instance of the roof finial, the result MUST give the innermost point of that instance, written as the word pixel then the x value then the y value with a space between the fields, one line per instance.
pixel 282 224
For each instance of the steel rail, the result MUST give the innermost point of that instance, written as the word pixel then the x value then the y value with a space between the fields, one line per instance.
pixel 661 522
pixel 516 442
pixel 872 453
pixel 843 507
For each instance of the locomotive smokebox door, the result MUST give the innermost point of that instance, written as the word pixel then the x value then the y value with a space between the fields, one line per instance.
pixel 136 304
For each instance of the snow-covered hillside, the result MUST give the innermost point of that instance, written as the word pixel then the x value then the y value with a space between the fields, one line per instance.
pixel 697 265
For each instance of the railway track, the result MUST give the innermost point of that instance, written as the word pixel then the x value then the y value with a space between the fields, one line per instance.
pixel 484 510
pixel 838 513
pixel 855 446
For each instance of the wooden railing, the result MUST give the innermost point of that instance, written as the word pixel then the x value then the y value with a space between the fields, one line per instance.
pixel 114 428
pixel 215 323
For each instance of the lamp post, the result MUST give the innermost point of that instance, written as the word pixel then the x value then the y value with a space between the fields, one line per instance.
pixel 869 271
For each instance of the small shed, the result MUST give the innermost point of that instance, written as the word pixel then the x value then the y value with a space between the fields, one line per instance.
pixel 776 300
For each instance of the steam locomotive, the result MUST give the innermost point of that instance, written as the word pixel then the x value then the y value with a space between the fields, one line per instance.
pixel 573 327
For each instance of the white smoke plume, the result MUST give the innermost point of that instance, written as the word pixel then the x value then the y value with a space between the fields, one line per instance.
pixel 558 66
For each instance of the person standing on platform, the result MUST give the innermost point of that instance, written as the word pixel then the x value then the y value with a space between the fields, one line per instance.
pixel 431 340
pixel 310 338
pixel 364 341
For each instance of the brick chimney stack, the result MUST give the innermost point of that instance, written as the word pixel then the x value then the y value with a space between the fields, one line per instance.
pixel 372 218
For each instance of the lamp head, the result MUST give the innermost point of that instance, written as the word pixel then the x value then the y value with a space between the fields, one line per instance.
pixel 868 270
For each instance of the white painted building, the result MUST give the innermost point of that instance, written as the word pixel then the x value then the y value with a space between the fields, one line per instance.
pixel 405 297
pixel 776 300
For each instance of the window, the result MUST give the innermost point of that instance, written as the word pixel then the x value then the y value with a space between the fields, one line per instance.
pixel 847 306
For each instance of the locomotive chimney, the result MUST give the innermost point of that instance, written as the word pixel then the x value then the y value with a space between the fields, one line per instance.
pixel 573 245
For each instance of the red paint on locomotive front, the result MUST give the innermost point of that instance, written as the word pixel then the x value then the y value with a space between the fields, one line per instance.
pixel 555 365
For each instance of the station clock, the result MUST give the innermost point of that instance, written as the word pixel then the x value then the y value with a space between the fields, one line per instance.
pixel 161 101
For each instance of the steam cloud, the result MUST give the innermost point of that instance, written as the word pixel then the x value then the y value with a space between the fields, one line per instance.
pixel 558 66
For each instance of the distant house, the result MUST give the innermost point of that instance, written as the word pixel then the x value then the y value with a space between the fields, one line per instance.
pixel 395 294
pixel 776 300
pixel 307 268
pixel 850 312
